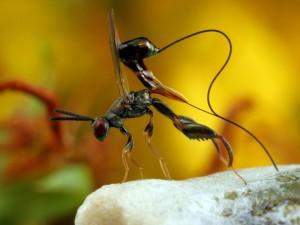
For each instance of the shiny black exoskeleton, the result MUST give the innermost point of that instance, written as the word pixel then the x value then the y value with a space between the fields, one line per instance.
pixel 137 106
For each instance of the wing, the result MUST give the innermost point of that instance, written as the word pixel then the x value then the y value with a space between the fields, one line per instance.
pixel 114 42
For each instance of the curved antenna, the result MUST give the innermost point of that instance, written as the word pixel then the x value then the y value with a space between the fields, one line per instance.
pixel 213 112
pixel 232 122
pixel 70 116
pixel 218 73
pixel 189 36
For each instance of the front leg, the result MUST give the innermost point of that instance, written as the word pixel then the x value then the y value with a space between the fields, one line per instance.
pixel 126 153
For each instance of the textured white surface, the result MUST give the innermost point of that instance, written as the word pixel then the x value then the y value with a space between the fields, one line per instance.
pixel 269 198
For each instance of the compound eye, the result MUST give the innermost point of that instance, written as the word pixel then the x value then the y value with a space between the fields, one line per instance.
pixel 101 128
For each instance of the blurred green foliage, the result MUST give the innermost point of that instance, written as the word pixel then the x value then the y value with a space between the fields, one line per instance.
pixel 45 200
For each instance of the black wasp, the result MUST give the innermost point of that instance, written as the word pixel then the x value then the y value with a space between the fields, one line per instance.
pixel 135 104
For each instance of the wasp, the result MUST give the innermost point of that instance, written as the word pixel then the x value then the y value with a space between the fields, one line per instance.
pixel 133 104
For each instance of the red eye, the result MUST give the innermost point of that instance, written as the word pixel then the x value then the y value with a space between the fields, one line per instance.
pixel 101 128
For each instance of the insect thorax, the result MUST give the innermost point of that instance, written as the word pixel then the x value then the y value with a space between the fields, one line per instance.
pixel 141 98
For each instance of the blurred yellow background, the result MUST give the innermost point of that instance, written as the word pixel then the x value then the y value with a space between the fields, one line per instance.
pixel 62 47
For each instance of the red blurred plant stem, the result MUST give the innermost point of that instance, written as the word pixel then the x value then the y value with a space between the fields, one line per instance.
pixel 44 96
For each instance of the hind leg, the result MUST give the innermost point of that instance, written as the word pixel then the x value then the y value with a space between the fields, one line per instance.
pixel 197 131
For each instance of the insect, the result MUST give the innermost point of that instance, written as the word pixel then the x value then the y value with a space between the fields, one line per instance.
pixel 138 105
pixel 132 104
pixel 132 54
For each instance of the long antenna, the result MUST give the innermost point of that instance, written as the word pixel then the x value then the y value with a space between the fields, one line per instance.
pixel 213 112
pixel 70 116
pixel 232 122
pixel 189 36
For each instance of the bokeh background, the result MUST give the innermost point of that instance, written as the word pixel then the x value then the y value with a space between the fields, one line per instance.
pixel 56 54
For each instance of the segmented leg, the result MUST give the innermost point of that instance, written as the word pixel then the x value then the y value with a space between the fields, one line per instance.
pixel 148 132
pixel 155 86
pixel 193 130
pixel 230 155
pixel 126 153
pixel 197 131
pixel 221 157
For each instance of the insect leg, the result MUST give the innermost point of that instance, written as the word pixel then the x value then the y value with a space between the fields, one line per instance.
pixel 148 132
pixel 155 86
pixel 126 153
pixel 222 159
pixel 230 155
pixel 193 130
